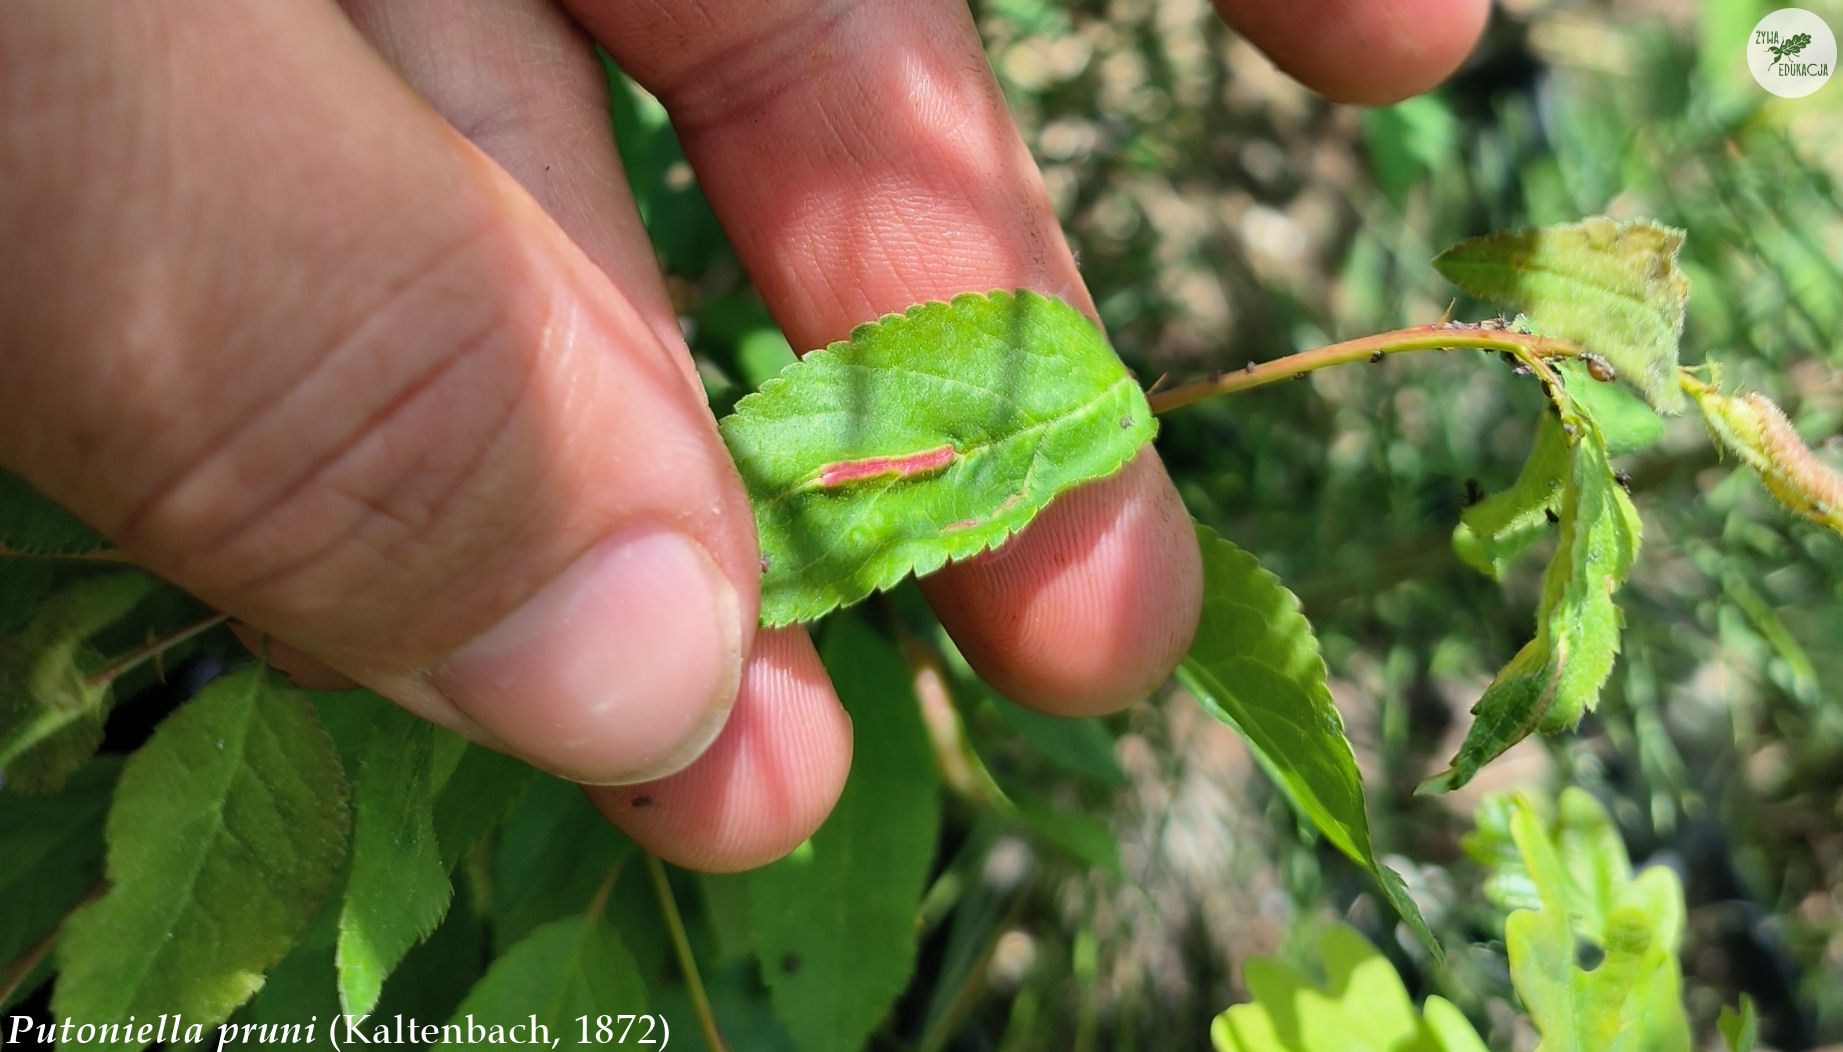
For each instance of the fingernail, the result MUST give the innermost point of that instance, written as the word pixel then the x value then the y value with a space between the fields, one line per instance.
pixel 622 669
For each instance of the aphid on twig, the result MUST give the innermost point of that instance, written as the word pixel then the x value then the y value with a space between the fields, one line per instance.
pixel 1509 359
pixel 1299 375
pixel 1250 367
pixel 1376 356
pixel 1624 480
pixel 1599 368
pixel 1549 514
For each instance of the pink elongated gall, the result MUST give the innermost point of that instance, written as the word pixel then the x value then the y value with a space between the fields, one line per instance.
pixel 845 472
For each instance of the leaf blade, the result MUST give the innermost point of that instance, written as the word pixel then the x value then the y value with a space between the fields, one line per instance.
pixel 574 966
pixel 1255 665
pixel 226 830
pixel 835 922
pixel 397 890
pixel 927 436
pixel 51 709
pixel 1612 286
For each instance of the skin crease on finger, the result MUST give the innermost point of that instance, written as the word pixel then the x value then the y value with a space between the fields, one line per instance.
pixel 284 382
pixel 523 81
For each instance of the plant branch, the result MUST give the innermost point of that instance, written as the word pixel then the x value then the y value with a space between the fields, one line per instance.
pixel 1528 348
pixel 700 1002
pixel 154 648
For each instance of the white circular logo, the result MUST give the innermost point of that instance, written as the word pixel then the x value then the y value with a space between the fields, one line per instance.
pixel 1791 52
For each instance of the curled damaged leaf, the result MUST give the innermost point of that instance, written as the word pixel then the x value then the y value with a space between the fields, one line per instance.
pixel 1497 529
pixel 51 704
pixel 1557 676
pixel 927 436
pixel 1612 286
pixel 1755 429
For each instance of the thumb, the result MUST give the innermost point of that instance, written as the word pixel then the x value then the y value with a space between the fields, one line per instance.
pixel 296 346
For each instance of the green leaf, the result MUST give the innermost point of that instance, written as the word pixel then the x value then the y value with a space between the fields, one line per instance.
pixel 1613 287
pixel 549 858
pixel 1362 1005
pixel 567 968
pixel 1499 528
pixel 23 583
pixel 32 522
pixel 1631 1000
pixel 1740 1028
pixel 51 704
pixel 1557 676
pixel 398 890
pixel 227 829
pixel 835 922
pixel 1255 666
pixel 1627 424
pixel 927 436
pixel 53 855
pixel 474 799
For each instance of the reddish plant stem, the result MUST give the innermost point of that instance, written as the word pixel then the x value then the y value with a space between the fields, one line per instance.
pixel 1530 349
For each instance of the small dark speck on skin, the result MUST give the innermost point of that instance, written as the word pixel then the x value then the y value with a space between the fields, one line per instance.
pixel 643 801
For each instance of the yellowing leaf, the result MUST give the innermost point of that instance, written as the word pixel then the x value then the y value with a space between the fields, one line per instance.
pixel 1632 1000
pixel 1753 428
pixel 927 436
pixel 1613 287
pixel 1361 1005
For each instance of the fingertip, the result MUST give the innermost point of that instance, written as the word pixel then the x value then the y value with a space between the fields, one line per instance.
pixel 764 785
pixel 621 669
pixel 1090 607
pixel 1361 51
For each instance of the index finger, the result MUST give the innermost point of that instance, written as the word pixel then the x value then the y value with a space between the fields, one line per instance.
pixel 862 159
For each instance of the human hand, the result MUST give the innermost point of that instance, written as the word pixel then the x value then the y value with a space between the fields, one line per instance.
pixel 387 369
